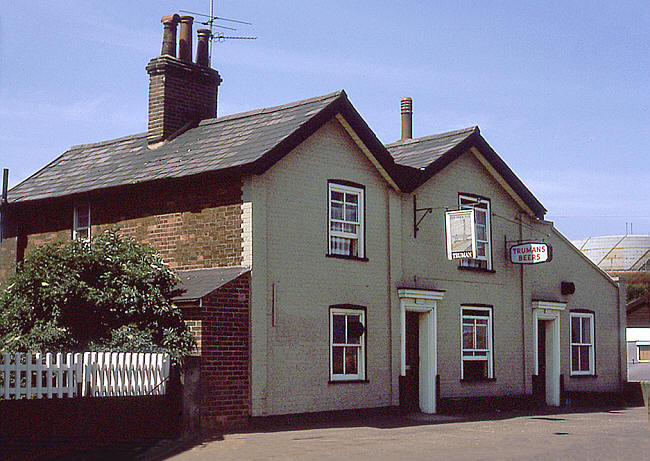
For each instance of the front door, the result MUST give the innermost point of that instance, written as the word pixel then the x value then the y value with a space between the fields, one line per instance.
pixel 409 384
pixel 539 384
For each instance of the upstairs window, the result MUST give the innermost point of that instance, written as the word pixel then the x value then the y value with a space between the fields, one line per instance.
pixel 582 344
pixel 81 222
pixel 347 344
pixel 345 220
pixel 481 207
pixel 476 331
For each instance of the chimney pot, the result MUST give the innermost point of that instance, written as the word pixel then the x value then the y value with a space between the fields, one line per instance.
pixel 185 42
pixel 169 34
pixel 202 57
pixel 407 118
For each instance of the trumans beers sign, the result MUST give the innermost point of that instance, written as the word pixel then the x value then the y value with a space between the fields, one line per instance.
pixel 461 238
pixel 531 253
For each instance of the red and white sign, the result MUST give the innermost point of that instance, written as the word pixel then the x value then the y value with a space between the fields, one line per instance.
pixel 530 253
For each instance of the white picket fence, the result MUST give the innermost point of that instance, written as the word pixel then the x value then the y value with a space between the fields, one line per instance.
pixel 91 374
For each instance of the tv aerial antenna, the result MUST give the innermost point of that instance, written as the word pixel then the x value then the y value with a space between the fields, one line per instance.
pixel 219 36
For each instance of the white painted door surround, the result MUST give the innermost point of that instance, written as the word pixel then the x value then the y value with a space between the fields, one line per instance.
pixel 549 312
pixel 423 302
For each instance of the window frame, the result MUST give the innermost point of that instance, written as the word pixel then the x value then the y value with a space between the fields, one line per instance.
pixel 477 263
pixel 76 229
pixel 359 190
pixel 489 357
pixel 352 310
pixel 592 350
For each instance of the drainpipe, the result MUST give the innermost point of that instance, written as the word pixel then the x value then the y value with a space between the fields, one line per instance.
pixel 618 325
pixel 3 200
pixel 523 306
pixel 390 298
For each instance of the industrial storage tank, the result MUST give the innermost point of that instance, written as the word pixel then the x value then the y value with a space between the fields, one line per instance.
pixel 625 256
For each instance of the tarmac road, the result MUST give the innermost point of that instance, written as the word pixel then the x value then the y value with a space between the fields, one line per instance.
pixel 618 434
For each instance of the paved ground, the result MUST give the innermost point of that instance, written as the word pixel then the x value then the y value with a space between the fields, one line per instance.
pixel 619 434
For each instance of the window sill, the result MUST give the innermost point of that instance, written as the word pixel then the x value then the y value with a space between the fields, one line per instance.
pixel 348 381
pixel 476 269
pixel 591 375
pixel 478 381
pixel 353 258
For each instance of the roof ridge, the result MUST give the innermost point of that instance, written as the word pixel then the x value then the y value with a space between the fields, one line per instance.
pixel 445 134
pixel 108 142
pixel 267 110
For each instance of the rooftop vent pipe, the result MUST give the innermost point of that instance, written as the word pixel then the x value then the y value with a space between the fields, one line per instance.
pixel 407 118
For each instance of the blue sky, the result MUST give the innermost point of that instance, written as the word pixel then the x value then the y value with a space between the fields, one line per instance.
pixel 559 89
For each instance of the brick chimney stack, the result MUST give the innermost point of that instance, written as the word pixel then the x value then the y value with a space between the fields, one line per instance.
pixel 181 92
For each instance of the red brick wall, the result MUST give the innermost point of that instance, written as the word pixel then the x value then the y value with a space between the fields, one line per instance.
pixel 7 257
pixel 36 240
pixel 223 325
pixel 192 224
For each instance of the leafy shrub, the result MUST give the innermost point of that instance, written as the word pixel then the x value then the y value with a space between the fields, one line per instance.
pixel 111 293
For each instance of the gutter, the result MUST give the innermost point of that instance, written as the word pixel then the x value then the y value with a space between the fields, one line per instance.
pixel 3 200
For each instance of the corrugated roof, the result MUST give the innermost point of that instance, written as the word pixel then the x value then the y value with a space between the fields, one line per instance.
pixel 201 282
pixel 215 144
pixel 421 152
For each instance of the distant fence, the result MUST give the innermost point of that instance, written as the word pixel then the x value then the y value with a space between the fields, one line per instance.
pixel 91 374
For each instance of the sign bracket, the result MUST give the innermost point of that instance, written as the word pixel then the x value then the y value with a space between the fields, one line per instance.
pixel 416 221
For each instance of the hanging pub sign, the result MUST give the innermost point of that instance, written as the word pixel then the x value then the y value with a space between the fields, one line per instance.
pixel 531 253
pixel 461 236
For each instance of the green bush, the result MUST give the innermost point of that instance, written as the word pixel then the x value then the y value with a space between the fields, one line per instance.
pixel 108 294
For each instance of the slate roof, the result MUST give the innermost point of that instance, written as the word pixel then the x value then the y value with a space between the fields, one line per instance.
pixel 421 152
pixel 251 142
pixel 201 282
pixel 215 144
pixel 431 154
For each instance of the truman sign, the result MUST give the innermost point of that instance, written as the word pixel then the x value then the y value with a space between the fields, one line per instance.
pixel 531 253
pixel 461 238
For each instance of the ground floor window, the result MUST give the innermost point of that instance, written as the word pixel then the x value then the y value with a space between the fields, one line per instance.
pixel 644 353
pixel 347 343
pixel 476 332
pixel 582 343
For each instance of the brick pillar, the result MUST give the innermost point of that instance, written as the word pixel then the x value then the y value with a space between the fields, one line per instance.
pixel 223 322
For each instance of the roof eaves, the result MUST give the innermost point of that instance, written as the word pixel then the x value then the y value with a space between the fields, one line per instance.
pixel 475 139
pixel 510 177
pixel 237 170
pixel 377 148
pixel 288 143
pixel 446 158
pixel 342 105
